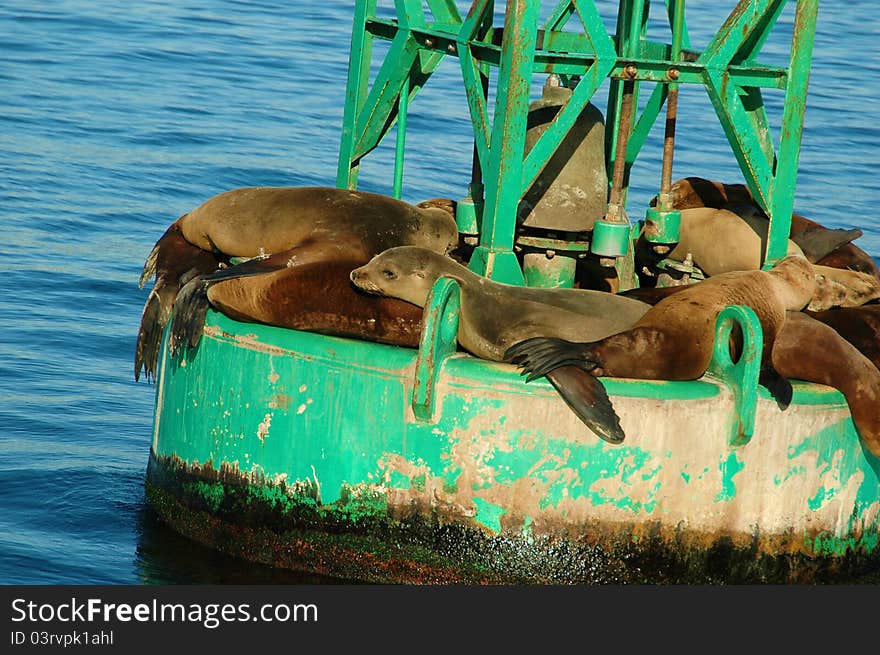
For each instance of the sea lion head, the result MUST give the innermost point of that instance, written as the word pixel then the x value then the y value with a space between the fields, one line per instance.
pixel 438 231
pixel 794 281
pixel 404 272
pixel 842 288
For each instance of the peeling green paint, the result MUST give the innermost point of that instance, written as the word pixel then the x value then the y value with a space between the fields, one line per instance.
pixel 793 472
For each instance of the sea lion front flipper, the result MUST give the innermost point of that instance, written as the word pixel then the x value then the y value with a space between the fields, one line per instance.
pixel 255 266
pixel 587 398
pixel 819 242
pixel 778 386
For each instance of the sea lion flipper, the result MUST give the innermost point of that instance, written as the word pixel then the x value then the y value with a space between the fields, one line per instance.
pixel 818 242
pixel 538 356
pixel 149 269
pixel 779 387
pixel 566 366
pixel 154 317
pixel 256 266
pixel 190 309
pixel 146 350
pixel 587 398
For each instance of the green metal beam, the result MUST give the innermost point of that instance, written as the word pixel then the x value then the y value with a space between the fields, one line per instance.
pixel 729 69
pixel 502 174
pixel 793 112
pixel 479 15
pixel 376 116
pixel 355 92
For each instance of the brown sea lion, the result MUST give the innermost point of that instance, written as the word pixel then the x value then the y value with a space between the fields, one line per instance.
pixel 672 341
pixel 260 221
pixel 318 297
pixel 807 349
pixel 813 237
pixel 858 325
pixel 494 315
pixel 839 348
pixel 734 239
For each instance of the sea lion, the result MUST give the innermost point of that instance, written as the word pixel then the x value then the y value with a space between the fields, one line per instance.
pixel 807 349
pixel 494 315
pixel 734 239
pixel 839 347
pixel 259 221
pixel 253 221
pixel 316 297
pixel 672 341
pixel 858 325
pixel 834 246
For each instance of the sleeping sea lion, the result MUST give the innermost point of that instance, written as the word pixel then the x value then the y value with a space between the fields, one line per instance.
pixel 858 325
pixel 316 297
pixel 494 315
pixel 672 341
pixel 734 239
pixel 259 221
pixel 823 246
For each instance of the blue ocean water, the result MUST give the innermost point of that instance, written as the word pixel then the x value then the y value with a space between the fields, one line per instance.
pixel 118 116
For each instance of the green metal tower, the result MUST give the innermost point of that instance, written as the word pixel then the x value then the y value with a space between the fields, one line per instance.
pixel 584 55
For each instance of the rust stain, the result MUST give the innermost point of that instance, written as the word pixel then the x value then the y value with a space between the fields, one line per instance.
pixel 280 401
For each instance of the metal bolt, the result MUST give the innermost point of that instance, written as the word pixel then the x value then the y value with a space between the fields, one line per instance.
pixel 630 71
pixel 673 73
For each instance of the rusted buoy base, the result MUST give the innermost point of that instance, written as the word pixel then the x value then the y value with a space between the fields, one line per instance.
pixel 268 524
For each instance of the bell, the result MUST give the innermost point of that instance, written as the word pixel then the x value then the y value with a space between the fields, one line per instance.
pixel 571 191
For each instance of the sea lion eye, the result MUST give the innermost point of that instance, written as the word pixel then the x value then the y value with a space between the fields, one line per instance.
pixel 389 274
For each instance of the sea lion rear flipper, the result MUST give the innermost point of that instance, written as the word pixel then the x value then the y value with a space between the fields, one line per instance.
pixel 190 309
pixel 538 356
pixel 146 353
pixel 566 366
pixel 818 242
pixel 778 386
pixel 587 398
pixel 155 315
